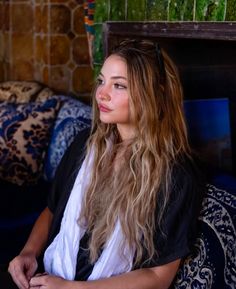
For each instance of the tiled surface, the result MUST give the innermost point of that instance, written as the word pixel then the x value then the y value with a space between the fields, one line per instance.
pixel 230 10
pixel 117 10
pixel 101 10
pixel 136 10
pixel 181 10
pixel 210 10
pixel 162 10
pixel 45 40
pixel 189 10
pixel 157 10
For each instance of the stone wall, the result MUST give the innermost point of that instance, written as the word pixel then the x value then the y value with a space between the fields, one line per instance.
pixel 45 40
pixel 1 41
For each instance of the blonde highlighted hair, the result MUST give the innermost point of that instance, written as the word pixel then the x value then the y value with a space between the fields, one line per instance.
pixel 132 190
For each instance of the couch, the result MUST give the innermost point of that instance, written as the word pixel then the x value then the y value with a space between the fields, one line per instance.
pixel 212 263
pixel 36 127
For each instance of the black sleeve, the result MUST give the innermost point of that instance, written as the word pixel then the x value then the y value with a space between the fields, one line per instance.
pixel 64 180
pixel 175 238
pixel 67 169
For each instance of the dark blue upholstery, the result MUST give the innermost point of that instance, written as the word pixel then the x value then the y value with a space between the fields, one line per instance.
pixel 21 204
pixel 24 136
pixel 73 117
pixel 212 263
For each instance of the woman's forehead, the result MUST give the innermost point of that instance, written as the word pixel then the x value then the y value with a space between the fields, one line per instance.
pixel 114 65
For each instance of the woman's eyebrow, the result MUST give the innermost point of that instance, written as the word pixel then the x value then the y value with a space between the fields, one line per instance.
pixel 118 77
pixel 115 76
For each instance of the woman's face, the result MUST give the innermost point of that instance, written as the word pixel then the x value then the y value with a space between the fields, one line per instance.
pixel 112 95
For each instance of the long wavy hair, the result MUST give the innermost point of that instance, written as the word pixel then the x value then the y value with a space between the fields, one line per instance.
pixel 140 183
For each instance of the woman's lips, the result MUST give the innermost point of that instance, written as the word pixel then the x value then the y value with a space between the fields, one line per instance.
pixel 104 108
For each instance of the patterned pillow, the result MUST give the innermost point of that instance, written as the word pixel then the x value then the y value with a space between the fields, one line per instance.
pixel 73 117
pixel 23 91
pixel 24 137
pixel 212 263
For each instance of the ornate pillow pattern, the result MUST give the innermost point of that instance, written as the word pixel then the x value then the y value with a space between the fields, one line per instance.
pixel 212 264
pixel 23 91
pixel 73 117
pixel 24 137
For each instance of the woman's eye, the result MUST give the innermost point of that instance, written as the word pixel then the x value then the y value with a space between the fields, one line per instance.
pixel 120 86
pixel 99 81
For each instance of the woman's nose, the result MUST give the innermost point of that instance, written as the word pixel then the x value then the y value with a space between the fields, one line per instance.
pixel 104 93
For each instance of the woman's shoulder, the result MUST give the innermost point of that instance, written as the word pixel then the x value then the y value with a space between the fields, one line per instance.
pixel 80 140
pixel 72 159
pixel 187 179
pixel 76 151
pixel 188 167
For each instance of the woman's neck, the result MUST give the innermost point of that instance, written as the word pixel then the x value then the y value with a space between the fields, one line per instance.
pixel 126 132
pixel 122 154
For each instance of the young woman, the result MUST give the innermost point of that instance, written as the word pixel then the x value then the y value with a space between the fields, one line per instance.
pixel 124 215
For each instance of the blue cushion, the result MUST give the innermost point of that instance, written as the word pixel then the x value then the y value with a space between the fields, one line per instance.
pixel 24 136
pixel 223 180
pixel 212 262
pixel 73 117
